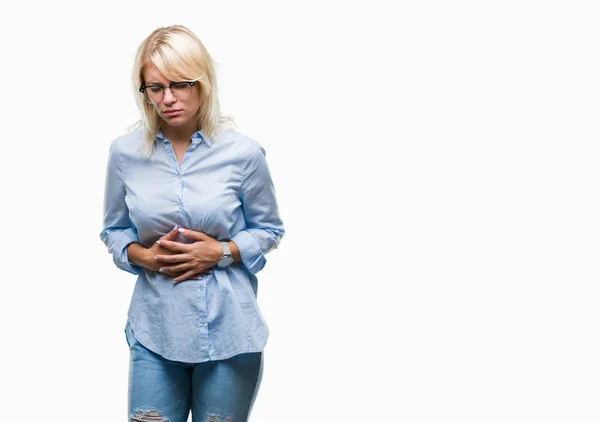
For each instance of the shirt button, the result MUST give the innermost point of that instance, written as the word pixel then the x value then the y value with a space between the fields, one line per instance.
pixel 201 288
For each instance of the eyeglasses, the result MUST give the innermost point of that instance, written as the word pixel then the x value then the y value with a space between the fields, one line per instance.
pixel 154 93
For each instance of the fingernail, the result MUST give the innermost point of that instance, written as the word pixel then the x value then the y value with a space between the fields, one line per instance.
pixel 161 270
pixel 174 228
pixel 158 241
pixel 180 230
pixel 156 257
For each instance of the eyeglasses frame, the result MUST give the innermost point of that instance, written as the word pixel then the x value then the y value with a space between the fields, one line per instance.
pixel 143 87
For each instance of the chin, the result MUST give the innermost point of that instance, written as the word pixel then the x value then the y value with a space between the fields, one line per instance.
pixel 176 121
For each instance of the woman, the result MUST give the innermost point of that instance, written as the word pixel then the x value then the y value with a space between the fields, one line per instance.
pixel 190 208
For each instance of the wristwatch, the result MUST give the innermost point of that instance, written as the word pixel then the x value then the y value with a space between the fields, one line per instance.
pixel 226 259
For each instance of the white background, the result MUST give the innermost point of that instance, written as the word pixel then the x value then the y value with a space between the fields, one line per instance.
pixel 436 166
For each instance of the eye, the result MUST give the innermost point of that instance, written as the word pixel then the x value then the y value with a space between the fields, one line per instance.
pixel 180 85
pixel 156 88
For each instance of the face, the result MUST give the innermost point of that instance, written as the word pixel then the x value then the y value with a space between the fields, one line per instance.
pixel 186 108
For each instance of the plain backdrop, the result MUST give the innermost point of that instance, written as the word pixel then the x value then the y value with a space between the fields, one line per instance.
pixel 436 167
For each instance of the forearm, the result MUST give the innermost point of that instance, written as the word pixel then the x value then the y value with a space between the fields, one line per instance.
pixel 137 254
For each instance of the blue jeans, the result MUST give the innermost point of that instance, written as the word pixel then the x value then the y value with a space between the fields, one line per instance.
pixel 163 390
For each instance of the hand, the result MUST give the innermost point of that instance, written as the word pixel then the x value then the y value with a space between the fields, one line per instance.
pixel 157 249
pixel 191 258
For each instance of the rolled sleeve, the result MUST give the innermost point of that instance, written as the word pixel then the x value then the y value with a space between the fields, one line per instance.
pixel 250 252
pixel 264 227
pixel 117 242
pixel 117 231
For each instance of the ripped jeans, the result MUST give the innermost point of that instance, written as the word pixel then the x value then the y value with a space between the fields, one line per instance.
pixel 162 390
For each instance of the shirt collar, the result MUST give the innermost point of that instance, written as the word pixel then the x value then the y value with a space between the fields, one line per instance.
pixel 197 138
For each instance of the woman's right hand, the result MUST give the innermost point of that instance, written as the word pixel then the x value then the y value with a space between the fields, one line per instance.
pixel 156 249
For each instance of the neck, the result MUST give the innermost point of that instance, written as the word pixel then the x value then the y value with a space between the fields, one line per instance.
pixel 180 133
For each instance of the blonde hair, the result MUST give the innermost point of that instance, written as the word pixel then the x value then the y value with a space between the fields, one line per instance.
pixel 179 55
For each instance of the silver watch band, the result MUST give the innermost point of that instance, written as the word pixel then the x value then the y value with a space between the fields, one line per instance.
pixel 226 250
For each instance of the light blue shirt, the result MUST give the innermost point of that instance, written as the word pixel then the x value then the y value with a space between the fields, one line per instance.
pixel 222 188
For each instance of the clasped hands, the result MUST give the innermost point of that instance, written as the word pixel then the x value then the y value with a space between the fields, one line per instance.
pixel 188 259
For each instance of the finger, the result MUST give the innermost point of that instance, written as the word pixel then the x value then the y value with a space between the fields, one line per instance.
pixel 202 273
pixel 180 257
pixel 184 276
pixel 174 246
pixel 206 271
pixel 171 273
pixel 171 234
pixel 192 234
pixel 166 270
pixel 170 269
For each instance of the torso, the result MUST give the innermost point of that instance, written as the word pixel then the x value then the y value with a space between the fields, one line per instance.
pixel 206 196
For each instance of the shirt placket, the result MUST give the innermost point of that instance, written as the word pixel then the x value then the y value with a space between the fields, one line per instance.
pixel 201 322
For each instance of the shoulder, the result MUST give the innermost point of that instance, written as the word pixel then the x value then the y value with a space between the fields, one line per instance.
pixel 128 142
pixel 234 137
pixel 239 141
pixel 128 147
pixel 243 146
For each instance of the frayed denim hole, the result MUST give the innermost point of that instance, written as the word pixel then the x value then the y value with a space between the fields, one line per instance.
pixel 148 416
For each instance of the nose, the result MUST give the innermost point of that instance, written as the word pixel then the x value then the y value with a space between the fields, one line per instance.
pixel 168 97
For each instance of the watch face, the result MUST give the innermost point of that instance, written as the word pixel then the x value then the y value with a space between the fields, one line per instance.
pixel 225 262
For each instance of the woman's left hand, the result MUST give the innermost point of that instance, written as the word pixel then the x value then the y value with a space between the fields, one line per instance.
pixel 192 258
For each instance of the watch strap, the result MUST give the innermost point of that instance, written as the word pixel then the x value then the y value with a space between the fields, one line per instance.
pixel 226 250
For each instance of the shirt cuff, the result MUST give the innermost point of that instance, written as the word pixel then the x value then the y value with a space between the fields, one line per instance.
pixel 250 252
pixel 120 240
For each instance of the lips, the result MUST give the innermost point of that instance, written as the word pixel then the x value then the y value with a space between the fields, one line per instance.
pixel 170 112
